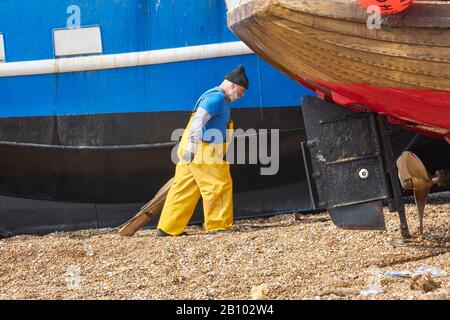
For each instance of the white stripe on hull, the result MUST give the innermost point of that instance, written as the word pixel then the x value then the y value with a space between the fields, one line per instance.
pixel 123 60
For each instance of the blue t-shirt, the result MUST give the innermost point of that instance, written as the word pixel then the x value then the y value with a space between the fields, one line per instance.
pixel 214 102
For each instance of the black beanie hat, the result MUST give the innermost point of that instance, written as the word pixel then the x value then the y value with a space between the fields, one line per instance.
pixel 238 76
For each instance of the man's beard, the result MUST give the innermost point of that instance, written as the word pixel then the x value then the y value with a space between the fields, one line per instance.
pixel 233 96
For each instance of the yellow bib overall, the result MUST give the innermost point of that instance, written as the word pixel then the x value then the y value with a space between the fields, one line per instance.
pixel 208 176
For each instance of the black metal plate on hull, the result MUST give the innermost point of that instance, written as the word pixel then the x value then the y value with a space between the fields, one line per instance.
pixel 347 164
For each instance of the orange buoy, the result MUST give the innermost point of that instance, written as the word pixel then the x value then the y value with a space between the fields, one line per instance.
pixel 387 6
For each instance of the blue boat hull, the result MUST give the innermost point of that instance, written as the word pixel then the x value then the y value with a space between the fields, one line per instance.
pixel 85 139
pixel 87 148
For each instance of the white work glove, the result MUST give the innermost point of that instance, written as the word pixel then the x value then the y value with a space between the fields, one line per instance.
pixel 189 152
pixel 199 121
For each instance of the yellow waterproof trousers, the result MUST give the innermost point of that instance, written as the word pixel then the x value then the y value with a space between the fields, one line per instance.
pixel 207 176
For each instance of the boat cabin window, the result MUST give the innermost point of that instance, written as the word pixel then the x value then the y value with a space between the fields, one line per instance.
pixel 77 41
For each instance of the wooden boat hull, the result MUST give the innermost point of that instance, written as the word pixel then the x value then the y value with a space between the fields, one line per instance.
pixel 401 70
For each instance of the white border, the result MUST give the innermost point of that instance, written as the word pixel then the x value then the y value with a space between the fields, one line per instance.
pixel 123 60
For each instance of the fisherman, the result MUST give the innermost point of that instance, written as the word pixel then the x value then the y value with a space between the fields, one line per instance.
pixel 201 170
